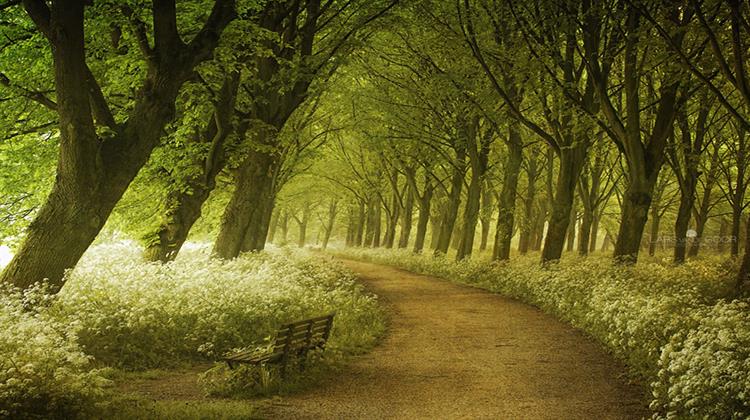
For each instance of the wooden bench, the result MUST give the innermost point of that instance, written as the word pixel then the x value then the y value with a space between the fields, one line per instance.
pixel 293 340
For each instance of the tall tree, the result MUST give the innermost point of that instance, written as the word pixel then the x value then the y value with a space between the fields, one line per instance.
pixel 99 156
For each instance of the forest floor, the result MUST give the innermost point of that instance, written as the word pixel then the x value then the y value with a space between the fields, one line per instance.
pixel 451 352
pixel 458 352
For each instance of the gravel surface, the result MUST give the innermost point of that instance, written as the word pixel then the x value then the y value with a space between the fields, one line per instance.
pixel 455 352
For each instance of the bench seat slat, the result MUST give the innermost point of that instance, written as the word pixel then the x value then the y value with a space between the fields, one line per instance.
pixel 292 338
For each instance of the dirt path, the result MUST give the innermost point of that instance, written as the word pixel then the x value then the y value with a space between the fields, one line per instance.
pixel 455 352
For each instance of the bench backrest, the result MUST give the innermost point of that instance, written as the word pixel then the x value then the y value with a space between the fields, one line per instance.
pixel 303 335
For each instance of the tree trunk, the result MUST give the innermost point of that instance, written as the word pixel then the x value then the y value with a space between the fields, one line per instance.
pixel 284 227
pixel 406 218
pixel 478 159
pixel 394 213
pixel 655 221
pixel 572 230
pixel 634 216
pixel 242 224
pixel 571 164
pixel 370 226
pixel 485 215
pixel 736 221
pixel 471 217
pixel 302 223
pixel 328 228
pixel 361 220
pixel 594 234
pixel 376 227
pixel 454 201
pixel 183 207
pixel 424 215
pixel 507 198
pixel 681 224
pixel 545 205
pixel 584 235
pixel 273 227
pixel 526 237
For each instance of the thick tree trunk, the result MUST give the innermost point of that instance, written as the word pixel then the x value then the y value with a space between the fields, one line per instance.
pixel 507 199
pixel 479 161
pixel 244 222
pixel 471 214
pixel 183 207
pixel 571 164
pixel 681 224
pixel 406 218
pixel 454 201
pixel 94 173
pixel 634 216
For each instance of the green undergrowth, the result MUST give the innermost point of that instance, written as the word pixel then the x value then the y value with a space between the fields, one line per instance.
pixel 118 312
pixel 675 326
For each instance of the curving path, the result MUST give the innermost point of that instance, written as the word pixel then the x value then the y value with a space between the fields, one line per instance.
pixel 456 352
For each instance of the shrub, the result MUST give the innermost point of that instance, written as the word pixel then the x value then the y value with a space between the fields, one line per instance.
pixel 43 371
pixel 138 315
pixel 116 310
pixel 670 324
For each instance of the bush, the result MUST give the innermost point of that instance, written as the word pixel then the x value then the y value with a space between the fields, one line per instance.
pixel 137 315
pixel 671 324
pixel 116 310
pixel 43 371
